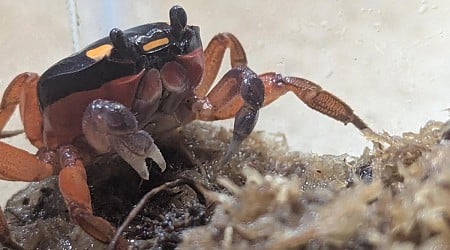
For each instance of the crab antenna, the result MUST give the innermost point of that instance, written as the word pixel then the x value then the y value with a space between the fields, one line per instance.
pixel 178 20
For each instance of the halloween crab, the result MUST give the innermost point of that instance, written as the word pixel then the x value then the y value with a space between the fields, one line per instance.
pixel 122 91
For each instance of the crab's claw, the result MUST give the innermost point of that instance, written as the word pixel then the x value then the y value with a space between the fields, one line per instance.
pixel 135 148
pixel 111 127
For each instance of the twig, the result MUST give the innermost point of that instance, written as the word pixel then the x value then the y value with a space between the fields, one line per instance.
pixel 135 211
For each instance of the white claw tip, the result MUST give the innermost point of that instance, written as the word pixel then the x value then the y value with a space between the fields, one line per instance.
pixel 138 164
pixel 157 157
pixel 144 174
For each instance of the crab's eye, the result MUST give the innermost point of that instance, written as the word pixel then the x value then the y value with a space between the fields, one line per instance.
pixel 178 20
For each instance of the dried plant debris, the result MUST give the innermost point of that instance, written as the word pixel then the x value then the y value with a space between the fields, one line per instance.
pixel 394 196
pixel 404 204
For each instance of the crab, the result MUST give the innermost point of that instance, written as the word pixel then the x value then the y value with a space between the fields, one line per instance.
pixel 124 93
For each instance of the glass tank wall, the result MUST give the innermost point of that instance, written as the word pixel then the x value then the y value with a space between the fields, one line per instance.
pixel 388 60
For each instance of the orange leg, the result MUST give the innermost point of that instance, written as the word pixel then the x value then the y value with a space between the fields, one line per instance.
pixel 74 189
pixel 11 98
pixel 224 100
pixel 19 165
pixel 22 91
pixel 241 93
pixel 213 55
pixel 276 85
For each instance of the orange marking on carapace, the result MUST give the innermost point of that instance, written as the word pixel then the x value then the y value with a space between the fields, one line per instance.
pixel 98 53
pixel 154 44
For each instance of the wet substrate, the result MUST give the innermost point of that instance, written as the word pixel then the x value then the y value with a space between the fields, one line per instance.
pixel 267 198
